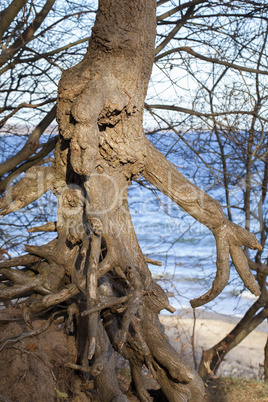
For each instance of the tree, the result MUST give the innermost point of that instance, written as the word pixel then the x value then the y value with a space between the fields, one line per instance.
pixel 92 280
pixel 225 125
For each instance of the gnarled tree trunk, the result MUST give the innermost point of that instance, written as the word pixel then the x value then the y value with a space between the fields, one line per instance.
pixel 102 147
pixel 93 276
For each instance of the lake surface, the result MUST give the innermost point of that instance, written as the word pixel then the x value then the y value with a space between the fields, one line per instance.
pixel 185 247
pixel 187 251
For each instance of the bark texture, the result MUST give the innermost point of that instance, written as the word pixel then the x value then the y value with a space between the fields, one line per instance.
pixel 102 147
pixel 93 275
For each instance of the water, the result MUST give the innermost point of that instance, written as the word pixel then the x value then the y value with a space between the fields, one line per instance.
pixel 187 251
pixel 165 233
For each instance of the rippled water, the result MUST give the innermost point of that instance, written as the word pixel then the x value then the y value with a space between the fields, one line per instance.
pixel 185 247
pixel 187 252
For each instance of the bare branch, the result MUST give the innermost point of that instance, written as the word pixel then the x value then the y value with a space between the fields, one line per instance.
pixel 200 114
pixel 175 30
pixel 36 182
pixel 25 105
pixel 180 8
pixel 9 14
pixel 32 161
pixel 20 60
pixel 257 266
pixel 27 35
pixel 31 145
pixel 229 237
pixel 212 60
pixel 153 262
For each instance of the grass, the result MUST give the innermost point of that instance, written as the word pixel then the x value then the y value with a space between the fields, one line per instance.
pixel 229 389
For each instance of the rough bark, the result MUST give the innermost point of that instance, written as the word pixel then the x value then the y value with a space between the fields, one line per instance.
pixel 94 270
pixel 212 358
pixel 101 148
pixel 266 361
pixel 229 237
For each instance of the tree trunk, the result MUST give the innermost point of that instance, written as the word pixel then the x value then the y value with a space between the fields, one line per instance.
pixel 93 277
pixel 212 358
pixel 101 148
pixel 266 361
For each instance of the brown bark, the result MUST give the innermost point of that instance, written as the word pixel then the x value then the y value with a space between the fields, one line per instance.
pixel 266 361
pixel 101 147
pixel 229 237
pixel 212 358
pixel 95 269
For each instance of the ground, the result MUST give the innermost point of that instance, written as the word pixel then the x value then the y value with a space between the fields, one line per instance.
pixel 239 390
pixel 34 368
pixel 222 389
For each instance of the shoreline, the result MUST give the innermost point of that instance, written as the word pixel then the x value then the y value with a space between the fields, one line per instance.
pixel 245 360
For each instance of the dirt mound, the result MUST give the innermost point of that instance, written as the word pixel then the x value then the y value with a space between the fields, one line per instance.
pixel 32 367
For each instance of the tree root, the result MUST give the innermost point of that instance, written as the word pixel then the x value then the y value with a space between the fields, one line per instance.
pixel 106 380
pixel 24 260
pixel 9 293
pixel 92 283
pixel 229 237
pixel 212 357
pixel 36 182
pixel 137 384
pixel 47 227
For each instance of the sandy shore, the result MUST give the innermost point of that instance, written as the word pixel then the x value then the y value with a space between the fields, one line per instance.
pixel 245 360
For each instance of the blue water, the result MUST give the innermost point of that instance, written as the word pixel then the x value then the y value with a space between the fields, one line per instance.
pixel 166 233
pixel 187 251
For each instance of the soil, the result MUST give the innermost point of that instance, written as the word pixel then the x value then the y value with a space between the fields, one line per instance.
pixel 33 369
pixel 233 389
pixel 221 389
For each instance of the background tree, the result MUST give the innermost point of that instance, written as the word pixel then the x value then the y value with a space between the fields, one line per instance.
pixel 224 122
pixel 95 263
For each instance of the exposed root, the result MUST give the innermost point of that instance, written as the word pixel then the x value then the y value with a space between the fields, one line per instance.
pixel 161 349
pixel 22 278
pixel 131 309
pixel 106 380
pixel 229 236
pixel 24 260
pixel 17 338
pixel 9 293
pixel 108 304
pixel 47 227
pixel 222 274
pixel 137 384
pixel 36 182
pixel 92 283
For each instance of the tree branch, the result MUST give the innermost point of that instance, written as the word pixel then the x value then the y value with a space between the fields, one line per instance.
pixel 24 105
pixel 9 14
pixel 36 182
pixel 27 35
pixel 31 145
pixel 175 30
pixel 229 237
pixel 180 8
pixel 212 60
pixel 200 114
pixel 34 160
